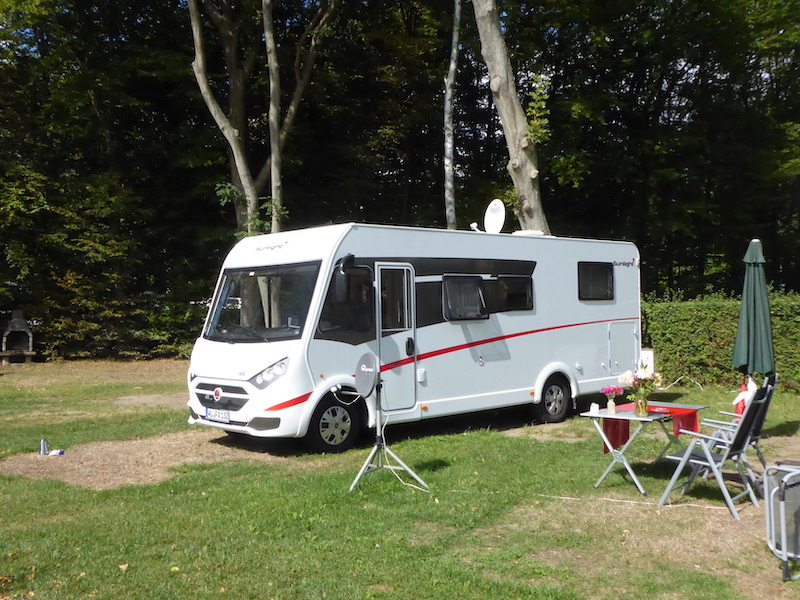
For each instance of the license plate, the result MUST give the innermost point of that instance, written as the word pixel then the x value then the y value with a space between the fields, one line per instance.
pixel 214 414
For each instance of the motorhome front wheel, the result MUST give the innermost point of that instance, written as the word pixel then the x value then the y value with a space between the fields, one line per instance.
pixel 334 426
pixel 556 399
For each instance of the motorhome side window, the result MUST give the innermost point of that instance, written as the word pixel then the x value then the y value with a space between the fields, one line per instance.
pixel 595 281
pixel 353 321
pixel 463 298
pixel 262 304
pixel 509 293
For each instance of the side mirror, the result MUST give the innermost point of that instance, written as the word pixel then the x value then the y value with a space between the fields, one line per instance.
pixel 341 279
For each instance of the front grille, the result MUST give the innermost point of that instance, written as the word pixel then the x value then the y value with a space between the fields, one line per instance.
pixel 228 389
pixel 233 397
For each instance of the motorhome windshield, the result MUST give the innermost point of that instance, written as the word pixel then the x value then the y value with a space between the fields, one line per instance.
pixel 262 304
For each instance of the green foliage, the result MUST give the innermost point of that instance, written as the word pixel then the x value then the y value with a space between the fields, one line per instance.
pixel 108 235
pixel 261 222
pixel 123 329
pixel 537 112
pixel 695 338
pixel 671 124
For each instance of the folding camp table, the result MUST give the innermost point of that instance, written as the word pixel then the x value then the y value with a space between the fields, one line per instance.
pixel 658 412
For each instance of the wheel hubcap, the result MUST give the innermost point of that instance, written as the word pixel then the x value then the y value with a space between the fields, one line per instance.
pixel 554 399
pixel 334 425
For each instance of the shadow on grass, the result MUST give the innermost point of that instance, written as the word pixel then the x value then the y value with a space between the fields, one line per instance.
pixel 787 429
pixel 285 447
pixel 494 420
pixel 491 420
pixel 431 466
pixel 701 489
pixel 503 419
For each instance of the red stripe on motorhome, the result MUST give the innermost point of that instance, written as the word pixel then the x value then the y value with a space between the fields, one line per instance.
pixel 407 361
pixel 440 352
pixel 289 403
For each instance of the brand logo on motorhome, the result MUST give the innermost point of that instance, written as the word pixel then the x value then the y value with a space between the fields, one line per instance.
pixel 272 247
pixel 627 263
pixel 217 394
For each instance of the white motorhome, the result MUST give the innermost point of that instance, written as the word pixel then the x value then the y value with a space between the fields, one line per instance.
pixel 460 321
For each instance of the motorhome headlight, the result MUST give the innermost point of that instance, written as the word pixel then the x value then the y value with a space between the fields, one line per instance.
pixel 270 374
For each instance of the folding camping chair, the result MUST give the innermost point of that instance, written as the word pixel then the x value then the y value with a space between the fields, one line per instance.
pixel 709 452
pixel 725 429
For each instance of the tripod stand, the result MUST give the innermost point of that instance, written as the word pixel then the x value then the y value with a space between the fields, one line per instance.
pixel 377 457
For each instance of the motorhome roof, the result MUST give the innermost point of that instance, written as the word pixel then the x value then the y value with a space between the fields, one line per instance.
pixel 314 243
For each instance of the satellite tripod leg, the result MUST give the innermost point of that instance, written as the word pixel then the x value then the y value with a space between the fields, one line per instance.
pixel 376 455
pixel 405 467
pixel 367 466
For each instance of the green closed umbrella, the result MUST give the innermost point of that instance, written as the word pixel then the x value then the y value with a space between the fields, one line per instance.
pixel 753 351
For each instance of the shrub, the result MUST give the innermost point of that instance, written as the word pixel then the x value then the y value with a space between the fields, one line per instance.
pixel 695 338
pixel 122 329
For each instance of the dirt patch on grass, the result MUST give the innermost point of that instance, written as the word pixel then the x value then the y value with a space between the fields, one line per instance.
pixel 114 464
pixel 106 465
pixel 178 400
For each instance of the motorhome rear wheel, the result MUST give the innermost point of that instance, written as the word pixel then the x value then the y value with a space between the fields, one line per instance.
pixel 556 400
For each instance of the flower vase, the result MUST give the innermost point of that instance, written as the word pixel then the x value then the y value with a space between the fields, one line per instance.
pixel 611 406
pixel 640 407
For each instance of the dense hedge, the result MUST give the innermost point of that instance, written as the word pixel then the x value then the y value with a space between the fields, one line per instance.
pixel 120 330
pixel 695 338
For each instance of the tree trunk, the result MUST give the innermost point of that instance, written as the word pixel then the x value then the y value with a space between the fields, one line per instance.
pixel 449 184
pixel 276 196
pixel 239 64
pixel 523 162
pixel 232 134
pixel 305 57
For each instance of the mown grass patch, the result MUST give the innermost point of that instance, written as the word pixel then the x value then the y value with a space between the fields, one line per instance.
pixel 511 514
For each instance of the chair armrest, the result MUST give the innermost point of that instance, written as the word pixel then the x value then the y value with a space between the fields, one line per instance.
pixel 710 438
pixel 719 424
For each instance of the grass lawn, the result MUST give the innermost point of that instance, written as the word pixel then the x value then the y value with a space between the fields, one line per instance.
pixel 511 512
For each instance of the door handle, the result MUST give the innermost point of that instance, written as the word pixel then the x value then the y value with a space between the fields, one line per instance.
pixel 410 347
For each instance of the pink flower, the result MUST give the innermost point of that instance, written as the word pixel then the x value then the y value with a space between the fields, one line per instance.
pixel 612 390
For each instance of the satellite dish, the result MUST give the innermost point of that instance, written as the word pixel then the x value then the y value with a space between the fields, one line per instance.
pixel 367 374
pixel 495 216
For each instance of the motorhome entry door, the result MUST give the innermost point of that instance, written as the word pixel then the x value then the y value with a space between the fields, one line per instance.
pixel 397 342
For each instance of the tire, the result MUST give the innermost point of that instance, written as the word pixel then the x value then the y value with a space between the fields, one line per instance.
pixel 556 400
pixel 334 426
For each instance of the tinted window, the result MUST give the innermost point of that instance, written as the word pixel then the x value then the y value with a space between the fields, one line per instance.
pixel 595 281
pixel 509 293
pixel 354 321
pixel 463 298
pixel 429 303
